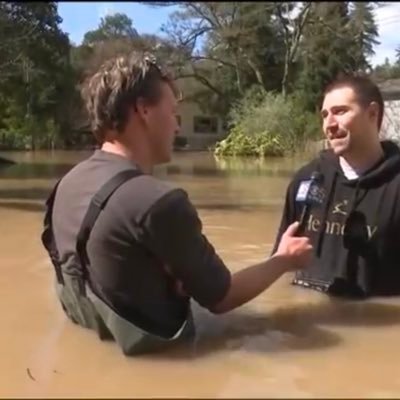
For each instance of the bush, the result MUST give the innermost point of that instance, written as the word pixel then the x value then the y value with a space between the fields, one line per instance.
pixel 238 143
pixel 267 124
pixel 21 133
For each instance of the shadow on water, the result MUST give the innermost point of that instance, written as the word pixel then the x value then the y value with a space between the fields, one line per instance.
pixel 290 329
pixel 52 171
pixel 25 194
pixel 341 313
pixel 23 206
pixel 49 170
pixel 29 199
pixel 35 171
pixel 214 172
pixel 40 197
pixel 243 207
pixel 4 162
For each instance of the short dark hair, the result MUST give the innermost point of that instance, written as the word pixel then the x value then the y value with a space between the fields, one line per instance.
pixel 117 86
pixel 365 89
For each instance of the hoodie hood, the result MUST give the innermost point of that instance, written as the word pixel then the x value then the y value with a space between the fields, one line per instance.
pixel 381 171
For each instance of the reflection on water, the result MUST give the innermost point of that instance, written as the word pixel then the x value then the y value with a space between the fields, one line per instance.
pixel 287 342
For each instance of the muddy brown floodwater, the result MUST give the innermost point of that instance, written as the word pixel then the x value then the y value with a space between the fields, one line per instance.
pixel 289 342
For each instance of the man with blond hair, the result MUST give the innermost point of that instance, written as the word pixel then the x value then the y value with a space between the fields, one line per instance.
pixel 128 249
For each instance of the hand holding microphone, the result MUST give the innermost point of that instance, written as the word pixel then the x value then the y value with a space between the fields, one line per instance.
pixel 297 250
pixel 293 243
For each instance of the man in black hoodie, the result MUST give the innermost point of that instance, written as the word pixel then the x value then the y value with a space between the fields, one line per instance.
pixel 355 228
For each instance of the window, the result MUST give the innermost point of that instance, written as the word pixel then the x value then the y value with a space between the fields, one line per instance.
pixel 205 125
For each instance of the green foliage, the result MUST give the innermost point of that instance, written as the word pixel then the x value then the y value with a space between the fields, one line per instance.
pixel 267 124
pixel 261 144
pixel 364 30
pixel 114 26
pixel 35 83
pixel 340 38
pixel 250 51
pixel 387 71
pixel 243 46
pixel 20 132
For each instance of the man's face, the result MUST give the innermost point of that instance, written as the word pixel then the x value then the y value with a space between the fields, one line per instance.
pixel 346 124
pixel 162 125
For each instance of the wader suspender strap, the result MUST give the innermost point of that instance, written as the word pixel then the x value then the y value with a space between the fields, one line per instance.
pixel 48 237
pixel 95 207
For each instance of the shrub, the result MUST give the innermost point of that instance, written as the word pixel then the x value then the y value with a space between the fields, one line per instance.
pixel 267 124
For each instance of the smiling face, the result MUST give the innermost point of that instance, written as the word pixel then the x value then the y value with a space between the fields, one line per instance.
pixel 347 124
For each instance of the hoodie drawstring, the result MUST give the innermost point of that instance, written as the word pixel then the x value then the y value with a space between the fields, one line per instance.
pixel 353 203
pixel 328 202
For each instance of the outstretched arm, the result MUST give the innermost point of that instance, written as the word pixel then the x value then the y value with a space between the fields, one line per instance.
pixel 173 232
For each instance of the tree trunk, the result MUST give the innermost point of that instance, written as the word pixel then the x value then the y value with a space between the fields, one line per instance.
pixel 33 142
pixel 285 78
pixel 257 73
pixel 238 78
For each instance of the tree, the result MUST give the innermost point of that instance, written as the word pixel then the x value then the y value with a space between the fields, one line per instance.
pixel 386 71
pixel 326 50
pixel 364 30
pixel 12 39
pixel 33 83
pixel 241 47
pixel 114 36
pixel 293 30
pixel 114 26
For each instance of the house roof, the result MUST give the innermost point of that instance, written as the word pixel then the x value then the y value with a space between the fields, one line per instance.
pixel 390 89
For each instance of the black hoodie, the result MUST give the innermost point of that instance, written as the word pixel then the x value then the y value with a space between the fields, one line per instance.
pixel 355 231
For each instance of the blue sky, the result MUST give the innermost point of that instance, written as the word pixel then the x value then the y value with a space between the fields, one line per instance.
pixel 80 17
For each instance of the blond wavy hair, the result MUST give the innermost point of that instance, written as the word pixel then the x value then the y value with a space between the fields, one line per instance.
pixel 109 94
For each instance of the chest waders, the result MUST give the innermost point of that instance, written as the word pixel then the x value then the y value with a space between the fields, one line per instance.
pixel 83 306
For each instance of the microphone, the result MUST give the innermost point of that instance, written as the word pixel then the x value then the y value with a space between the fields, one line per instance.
pixel 309 194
